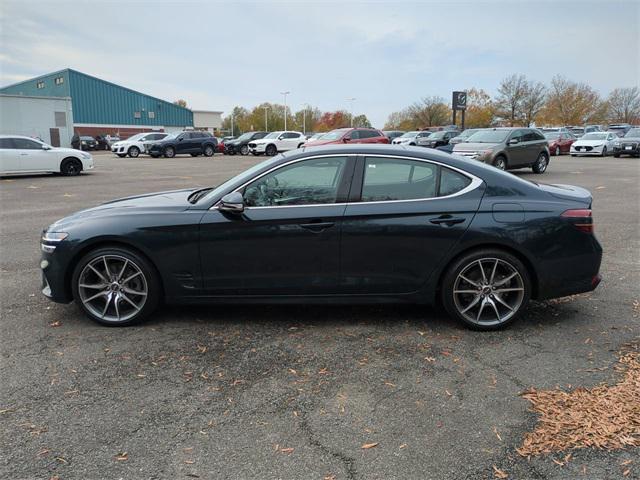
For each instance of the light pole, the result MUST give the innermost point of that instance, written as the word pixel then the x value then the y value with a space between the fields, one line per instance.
pixel 266 129
pixel 232 116
pixel 284 94
pixel 352 99
pixel 305 106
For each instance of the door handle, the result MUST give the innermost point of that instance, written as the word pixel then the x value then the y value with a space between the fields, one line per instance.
pixel 447 220
pixel 317 226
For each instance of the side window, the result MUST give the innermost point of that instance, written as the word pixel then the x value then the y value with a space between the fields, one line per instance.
pixel 308 182
pixel 6 143
pixel 355 135
pixel 517 135
pixel 452 182
pixel 24 144
pixel 367 134
pixel 388 179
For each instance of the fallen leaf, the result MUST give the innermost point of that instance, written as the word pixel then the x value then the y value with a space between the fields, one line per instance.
pixel 55 324
pixel 286 450
pixel 499 473
pixel 495 430
pixel 122 457
pixel 366 446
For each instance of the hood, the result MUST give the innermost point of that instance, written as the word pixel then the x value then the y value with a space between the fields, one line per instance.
pixel 70 151
pixel 174 200
pixel 589 143
pixel 263 140
pixel 568 192
pixel 404 140
pixel 474 147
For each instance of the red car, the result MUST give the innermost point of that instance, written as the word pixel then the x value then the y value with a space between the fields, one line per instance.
pixel 350 135
pixel 559 142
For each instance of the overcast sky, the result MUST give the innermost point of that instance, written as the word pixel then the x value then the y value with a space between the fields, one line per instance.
pixel 386 54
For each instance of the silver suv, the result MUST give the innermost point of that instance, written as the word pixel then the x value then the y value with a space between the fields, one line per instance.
pixel 507 148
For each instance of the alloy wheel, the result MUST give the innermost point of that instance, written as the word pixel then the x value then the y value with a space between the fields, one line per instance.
pixel 557 151
pixel 113 288
pixel 488 292
pixel 500 163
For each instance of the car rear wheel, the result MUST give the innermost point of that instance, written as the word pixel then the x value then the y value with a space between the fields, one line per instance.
pixel 115 286
pixel 169 152
pixel 71 167
pixel 134 152
pixel 486 289
pixel 541 163
pixel 208 151
pixel 244 150
pixel 271 150
pixel 500 162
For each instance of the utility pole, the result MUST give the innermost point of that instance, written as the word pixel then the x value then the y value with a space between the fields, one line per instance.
pixel 266 125
pixel 232 117
pixel 352 99
pixel 284 94
pixel 304 118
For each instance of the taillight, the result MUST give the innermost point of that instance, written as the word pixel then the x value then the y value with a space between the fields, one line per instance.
pixel 580 218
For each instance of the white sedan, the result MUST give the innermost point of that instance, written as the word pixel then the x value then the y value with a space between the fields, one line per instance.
pixel 134 145
pixel 594 143
pixel 19 154
pixel 277 142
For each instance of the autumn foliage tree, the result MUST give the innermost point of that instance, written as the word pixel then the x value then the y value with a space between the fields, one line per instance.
pixel 572 103
pixel 480 109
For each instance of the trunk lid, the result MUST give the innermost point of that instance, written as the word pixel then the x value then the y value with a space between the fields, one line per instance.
pixel 568 192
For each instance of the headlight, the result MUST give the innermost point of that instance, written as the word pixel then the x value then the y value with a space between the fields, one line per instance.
pixel 50 240
pixel 616 143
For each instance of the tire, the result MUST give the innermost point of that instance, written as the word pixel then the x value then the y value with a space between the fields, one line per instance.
pixel 244 150
pixel 271 150
pixel 412 144
pixel 134 152
pixel 121 155
pixel 195 154
pixel 557 152
pixel 616 155
pixel 169 152
pixel 541 164
pixel 209 151
pixel 71 167
pixel 300 145
pixel 506 285
pixel 574 155
pixel 500 162
pixel 92 288
pixel 155 155
pixel 604 152
pixel 255 154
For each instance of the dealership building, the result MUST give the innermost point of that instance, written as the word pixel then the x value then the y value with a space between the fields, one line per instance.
pixel 93 107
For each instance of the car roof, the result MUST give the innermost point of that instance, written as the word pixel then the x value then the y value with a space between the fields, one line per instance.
pixel 18 136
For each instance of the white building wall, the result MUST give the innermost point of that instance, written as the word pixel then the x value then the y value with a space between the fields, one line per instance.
pixel 35 116
pixel 207 120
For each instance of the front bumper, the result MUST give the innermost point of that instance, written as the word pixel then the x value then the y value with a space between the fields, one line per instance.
pixel 119 149
pixel 54 276
pixel 258 148
pixel 631 148
pixel 587 150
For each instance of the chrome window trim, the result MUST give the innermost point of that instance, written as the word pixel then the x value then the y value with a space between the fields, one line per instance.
pixel 475 181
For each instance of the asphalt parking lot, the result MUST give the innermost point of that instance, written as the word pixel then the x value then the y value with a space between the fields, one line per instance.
pixel 295 392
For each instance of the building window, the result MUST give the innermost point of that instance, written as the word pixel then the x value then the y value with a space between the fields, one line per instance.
pixel 152 114
pixel 59 80
pixel 40 85
pixel 61 119
pixel 137 115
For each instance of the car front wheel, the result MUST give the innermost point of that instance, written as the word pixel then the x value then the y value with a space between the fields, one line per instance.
pixel 134 152
pixel 271 150
pixel 244 150
pixel 71 167
pixel 115 286
pixel 541 163
pixel 208 151
pixel 169 152
pixel 604 151
pixel 486 289
pixel 500 162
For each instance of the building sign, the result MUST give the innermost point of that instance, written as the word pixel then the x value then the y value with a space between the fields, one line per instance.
pixel 459 101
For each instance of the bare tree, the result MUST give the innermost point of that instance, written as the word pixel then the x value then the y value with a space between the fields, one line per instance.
pixel 511 94
pixel 535 95
pixel 430 111
pixel 624 105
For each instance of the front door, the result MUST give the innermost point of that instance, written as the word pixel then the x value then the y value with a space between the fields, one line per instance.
pixel 33 157
pixel 517 151
pixel 410 213
pixel 287 240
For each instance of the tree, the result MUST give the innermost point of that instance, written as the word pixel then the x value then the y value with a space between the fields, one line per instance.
pixel 572 103
pixel 533 101
pixel 307 119
pixel 332 120
pixel 399 121
pixel 480 109
pixel 511 94
pixel 430 112
pixel 236 122
pixel 361 121
pixel 624 105
pixel 181 103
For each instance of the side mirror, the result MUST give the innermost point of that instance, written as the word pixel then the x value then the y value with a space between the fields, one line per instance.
pixel 232 203
pixel 346 139
pixel 46 147
pixel 514 141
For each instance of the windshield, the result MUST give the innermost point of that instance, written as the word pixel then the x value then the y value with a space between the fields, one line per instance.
pixel 136 137
pixel 240 178
pixel 468 133
pixel 409 135
pixel 594 136
pixel 551 135
pixel 333 135
pixel 245 136
pixel 634 132
pixel 87 138
pixel 437 135
pixel 173 135
pixel 489 136
pixel 273 135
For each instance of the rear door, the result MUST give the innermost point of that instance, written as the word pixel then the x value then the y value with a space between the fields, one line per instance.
pixel 403 217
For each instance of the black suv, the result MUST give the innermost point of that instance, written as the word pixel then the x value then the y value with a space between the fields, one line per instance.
pixel 629 144
pixel 241 144
pixel 194 143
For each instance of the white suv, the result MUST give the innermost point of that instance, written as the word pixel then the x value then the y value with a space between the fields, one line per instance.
pixel 134 145
pixel 277 142
pixel 19 154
